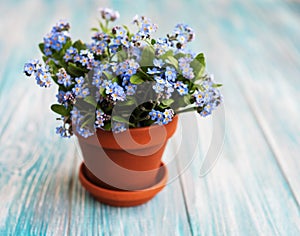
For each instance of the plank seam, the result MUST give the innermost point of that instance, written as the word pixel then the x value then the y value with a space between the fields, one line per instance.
pixel 265 135
pixel 184 200
pixel 70 193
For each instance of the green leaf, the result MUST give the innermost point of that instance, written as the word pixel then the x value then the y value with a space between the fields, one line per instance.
pixel 217 85
pixel 41 46
pixel 187 99
pixel 79 45
pixel 107 126
pixel 198 65
pixel 108 75
pixel 60 109
pixel 153 41
pixel 172 61
pixel 129 101
pixel 94 29
pixel 166 55
pixel 75 70
pixel 179 55
pixel 147 57
pixel 121 119
pixel 67 45
pixel 200 58
pixel 135 79
pixel 127 29
pixel 121 55
pixel 90 100
pixel 45 58
pixel 167 102
pixel 102 91
pixel 102 27
pixel 89 122
pixel 115 79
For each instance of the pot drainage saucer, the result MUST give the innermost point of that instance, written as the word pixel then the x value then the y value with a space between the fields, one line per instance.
pixel 120 197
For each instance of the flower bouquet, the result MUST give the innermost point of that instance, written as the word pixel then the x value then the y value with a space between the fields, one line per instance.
pixel 119 88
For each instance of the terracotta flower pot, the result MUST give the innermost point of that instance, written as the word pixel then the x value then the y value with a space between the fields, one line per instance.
pixel 127 161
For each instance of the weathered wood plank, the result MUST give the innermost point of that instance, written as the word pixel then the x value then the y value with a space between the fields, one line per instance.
pixel 276 108
pixel 247 192
pixel 35 171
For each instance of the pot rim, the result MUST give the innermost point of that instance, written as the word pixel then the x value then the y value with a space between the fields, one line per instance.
pixel 142 129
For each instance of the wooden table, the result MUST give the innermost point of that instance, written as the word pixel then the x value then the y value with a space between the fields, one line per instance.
pixel 252 47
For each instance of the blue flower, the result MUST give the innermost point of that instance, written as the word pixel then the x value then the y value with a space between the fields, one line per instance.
pixel 201 97
pixel 75 113
pixel 97 82
pixel 77 89
pixel 158 88
pixel 61 38
pixel 162 118
pixel 84 132
pixel 47 51
pixel 65 98
pixel 79 80
pixel 188 72
pixel 159 79
pixel 146 27
pixel 84 60
pixel 43 79
pixel 101 117
pixel 117 41
pixel 84 92
pixel 182 38
pixel 100 47
pixel 120 32
pixel 29 68
pixel 153 71
pixel 115 91
pixel 60 96
pixel 207 110
pixel 61 25
pixel 57 38
pixel 184 62
pixel 158 62
pixel 77 58
pixel 76 116
pixel 207 99
pixel 161 46
pixel 130 89
pixel 63 132
pixel 70 53
pixel 63 77
pixel 42 74
pixel 181 88
pixel 109 14
pixel 133 64
pixel 125 43
pixel 170 73
pixel 118 127
pixel 183 30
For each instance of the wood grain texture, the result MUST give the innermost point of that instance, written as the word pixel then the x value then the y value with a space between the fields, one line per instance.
pixel 254 188
pixel 261 147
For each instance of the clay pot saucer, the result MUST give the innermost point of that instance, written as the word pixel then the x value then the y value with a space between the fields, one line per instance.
pixel 123 198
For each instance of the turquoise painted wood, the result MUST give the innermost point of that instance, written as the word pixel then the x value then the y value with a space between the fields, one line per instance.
pixel 252 47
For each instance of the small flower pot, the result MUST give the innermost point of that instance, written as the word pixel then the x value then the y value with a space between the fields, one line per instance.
pixel 125 162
